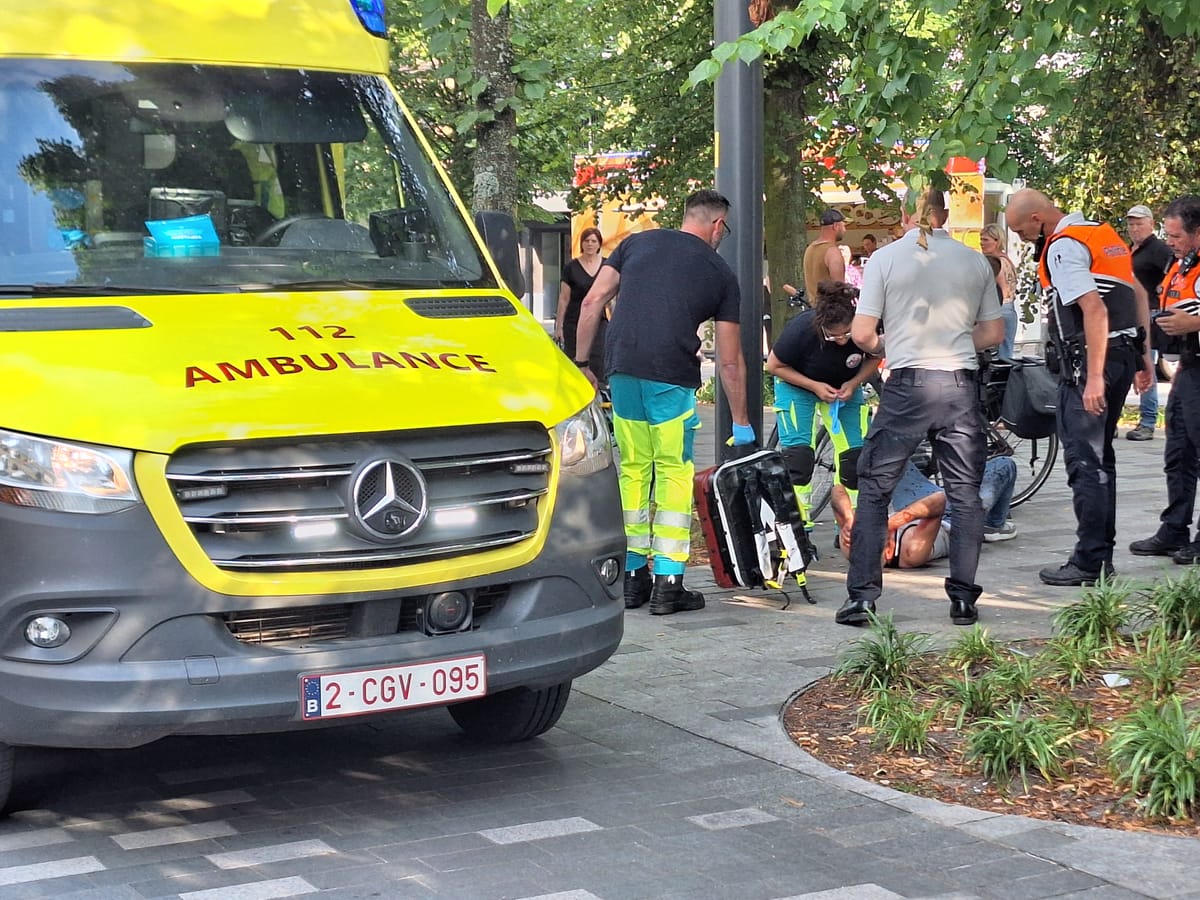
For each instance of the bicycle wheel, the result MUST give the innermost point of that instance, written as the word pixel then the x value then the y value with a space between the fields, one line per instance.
pixel 822 480
pixel 1035 459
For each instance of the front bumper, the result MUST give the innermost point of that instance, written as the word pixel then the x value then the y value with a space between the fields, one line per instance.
pixel 153 653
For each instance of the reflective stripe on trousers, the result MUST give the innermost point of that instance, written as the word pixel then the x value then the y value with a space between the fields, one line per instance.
pixel 655 426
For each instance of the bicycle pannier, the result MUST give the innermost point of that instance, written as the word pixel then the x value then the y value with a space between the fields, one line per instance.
pixel 1030 402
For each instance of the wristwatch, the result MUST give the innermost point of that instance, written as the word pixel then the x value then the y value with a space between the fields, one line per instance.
pixel 583 364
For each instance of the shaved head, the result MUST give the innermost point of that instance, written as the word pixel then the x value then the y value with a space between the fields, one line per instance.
pixel 1030 212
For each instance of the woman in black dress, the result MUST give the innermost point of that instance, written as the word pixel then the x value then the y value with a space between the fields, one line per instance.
pixel 577 278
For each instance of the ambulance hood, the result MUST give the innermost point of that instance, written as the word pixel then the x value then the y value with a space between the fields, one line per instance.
pixel 155 373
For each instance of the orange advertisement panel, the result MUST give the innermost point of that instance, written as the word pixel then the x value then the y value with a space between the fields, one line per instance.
pixel 615 218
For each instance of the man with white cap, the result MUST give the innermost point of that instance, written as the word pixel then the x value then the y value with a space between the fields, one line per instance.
pixel 1150 260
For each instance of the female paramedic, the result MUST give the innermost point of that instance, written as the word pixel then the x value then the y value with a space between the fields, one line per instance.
pixel 819 371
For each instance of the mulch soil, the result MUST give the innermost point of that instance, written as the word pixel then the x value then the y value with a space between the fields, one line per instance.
pixel 824 721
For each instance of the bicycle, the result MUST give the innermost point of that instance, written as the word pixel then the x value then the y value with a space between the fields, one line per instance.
pixel 1035 457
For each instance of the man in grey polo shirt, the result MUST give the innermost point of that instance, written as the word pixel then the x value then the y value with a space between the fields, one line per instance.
pixel 936 299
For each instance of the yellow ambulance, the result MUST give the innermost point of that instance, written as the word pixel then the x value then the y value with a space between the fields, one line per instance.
pixel 278 447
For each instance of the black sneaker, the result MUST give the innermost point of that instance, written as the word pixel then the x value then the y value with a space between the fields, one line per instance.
pixel 637 587
pixel 855 612
pixel 1141 433
pixel 1154 546
pixel 1070 575
pixel 1187 555
pixel 670 596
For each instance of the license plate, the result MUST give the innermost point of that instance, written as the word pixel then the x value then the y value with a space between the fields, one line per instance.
pixel 336 694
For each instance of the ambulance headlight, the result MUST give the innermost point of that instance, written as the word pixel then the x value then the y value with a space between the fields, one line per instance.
pixel 583 442
pixel 44 474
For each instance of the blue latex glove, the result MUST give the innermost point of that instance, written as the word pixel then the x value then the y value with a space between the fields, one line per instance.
pixel 835 409
pixel 742 434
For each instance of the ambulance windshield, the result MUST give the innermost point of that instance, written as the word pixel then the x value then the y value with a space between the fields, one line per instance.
pixel 181 177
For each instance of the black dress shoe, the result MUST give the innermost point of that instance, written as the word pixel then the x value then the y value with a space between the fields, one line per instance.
pixel 855 612
pixel 963 613
pixel 1070 575
pixel 1187 555
pixel 1154 546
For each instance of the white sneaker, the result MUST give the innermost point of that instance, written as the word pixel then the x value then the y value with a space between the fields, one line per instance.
pixel 1005 532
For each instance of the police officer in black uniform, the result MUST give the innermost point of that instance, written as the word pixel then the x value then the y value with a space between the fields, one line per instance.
pixel 1180 319
pixel 1099 317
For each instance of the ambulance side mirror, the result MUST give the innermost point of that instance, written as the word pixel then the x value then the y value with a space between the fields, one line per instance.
pixel 499 233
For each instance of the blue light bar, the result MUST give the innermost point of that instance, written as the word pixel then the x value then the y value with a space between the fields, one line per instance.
pixel 371 14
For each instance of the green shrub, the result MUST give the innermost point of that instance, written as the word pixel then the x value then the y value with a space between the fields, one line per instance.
pixel 967 698
pixel 1013 741
pixel 884 658
pixel 1159 662
pixel 1013 678
pixel 1155 752
pixel 899 722
pixel 1099 615
pixel 1070 661
pixel 1175 602
pixel 973 648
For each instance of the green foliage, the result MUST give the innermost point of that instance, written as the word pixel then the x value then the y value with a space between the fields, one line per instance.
pixel 1017 741
pixel 885 658
pixel 1175 603
pixel 970 79
pixel 1071 661
pixel 899 721
pixel 1160 661
pixel 973 647
pixel 1013 678
pixel 1155 753
pixel 1099 615
pixel 968 697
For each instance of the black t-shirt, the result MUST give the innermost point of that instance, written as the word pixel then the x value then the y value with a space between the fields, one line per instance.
pixel 803 347
pixel 672 282
pixel 1150 261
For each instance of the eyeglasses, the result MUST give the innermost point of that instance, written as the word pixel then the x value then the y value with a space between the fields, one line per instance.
pixel 844 336
pixel 725 229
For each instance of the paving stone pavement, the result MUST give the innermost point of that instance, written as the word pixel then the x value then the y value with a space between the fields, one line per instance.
pixel 669 776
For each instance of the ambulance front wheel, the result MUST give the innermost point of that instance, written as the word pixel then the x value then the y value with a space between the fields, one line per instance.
pixel 7 755
pixel 512 716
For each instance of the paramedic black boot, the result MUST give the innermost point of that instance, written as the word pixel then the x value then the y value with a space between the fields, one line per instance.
pixel 637 588
pixel 670 596
pixel 962 601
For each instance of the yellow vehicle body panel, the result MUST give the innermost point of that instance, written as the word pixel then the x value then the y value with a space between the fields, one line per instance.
pixel 314 35
pixel 214 367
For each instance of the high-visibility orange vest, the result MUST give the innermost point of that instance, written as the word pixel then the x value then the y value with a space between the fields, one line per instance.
pixel 1112 269
pixel 1179 288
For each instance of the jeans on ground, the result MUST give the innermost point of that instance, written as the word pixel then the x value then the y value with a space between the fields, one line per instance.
pixel 1148 407
pixel 1008 312
pixel 915 404
pixel 1087 444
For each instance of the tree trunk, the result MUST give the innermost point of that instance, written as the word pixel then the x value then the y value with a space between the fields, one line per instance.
pixel 495 159
pixel 787 195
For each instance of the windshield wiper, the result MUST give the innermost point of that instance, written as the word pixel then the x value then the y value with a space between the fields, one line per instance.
pixel 348 285
pixel 11 291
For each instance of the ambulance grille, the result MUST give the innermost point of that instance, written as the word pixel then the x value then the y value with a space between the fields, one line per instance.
pixel 362 502
pixel 348 621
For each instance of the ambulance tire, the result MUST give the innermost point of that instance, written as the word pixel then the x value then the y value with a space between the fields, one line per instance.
pixel 511 716
pixel 7 754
